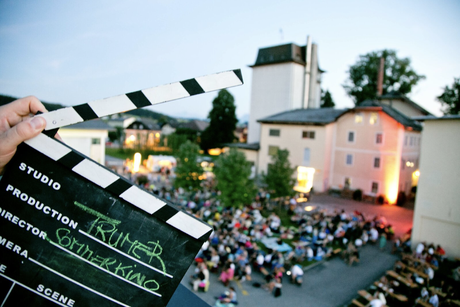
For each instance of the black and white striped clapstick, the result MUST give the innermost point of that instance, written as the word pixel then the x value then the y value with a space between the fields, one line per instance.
pixel 143 98
pixel 118 185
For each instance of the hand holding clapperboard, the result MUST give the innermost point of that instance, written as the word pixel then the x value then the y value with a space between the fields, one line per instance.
pixel 73 233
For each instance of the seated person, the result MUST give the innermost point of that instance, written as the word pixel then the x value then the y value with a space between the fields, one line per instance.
pixel 297 274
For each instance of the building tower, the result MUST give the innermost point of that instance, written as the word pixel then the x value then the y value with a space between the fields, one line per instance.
pixel 284 78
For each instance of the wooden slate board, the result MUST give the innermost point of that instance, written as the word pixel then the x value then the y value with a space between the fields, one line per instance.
pixel 73 233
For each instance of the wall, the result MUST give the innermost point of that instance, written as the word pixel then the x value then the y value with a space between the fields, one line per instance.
pixel 275 88
pixel 403 107
pixel 364 150
pixel 80 140
pixel 437 205
pixel 291 138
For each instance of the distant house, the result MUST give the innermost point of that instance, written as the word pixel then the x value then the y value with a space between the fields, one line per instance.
pixel 376 149
pixel 142 133
pixel 308 135
pixel 403 104
pixel 371 147
pixel 88 138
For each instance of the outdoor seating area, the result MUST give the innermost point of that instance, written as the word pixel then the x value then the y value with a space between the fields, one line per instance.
pixel 423 277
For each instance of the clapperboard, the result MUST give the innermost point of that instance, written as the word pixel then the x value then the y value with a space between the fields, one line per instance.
pixel 73 233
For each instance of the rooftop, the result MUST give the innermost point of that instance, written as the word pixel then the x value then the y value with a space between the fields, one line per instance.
pixel 281 54
pixel 322 116
pixel 94 124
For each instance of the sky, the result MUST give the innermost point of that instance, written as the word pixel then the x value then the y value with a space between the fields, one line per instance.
pixel 72 52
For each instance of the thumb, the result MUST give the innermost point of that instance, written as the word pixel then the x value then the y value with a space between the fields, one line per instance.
pixel 25 130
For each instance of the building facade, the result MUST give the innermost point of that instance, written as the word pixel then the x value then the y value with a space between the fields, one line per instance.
pixel 285 77
pixel 437 206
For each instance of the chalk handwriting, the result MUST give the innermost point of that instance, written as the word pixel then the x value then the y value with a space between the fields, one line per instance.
pixel 110 264
pixel 105 229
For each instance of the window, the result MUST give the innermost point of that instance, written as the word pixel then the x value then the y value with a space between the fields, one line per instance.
pixel 351 136
pixel 375 187
pixel 96 141
pixel 379 138
pixel 349 159
pixel 411 141
pixel 274 132
pixel 272 150
pixel 306 157
pixel 347 183
pixel 377 162
pixel 405 140
pixel 308 134
pixel 374 117
pixel 403 164
pixel 359 118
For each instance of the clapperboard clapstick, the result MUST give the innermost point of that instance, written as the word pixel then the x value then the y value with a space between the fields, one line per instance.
pixel 74 233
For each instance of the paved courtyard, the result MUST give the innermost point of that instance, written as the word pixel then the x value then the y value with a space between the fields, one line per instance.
pixel 331 283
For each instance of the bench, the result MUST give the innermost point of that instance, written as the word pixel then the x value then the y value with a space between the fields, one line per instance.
pixel 399 297
pixel 357 303
pixel 405 281
pixel 366 295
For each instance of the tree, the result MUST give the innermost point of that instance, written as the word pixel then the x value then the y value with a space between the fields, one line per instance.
pixel 232 175
pixel 398 75
pixel 450 99
pixel 188 170
pixel 222 123
pixel 326 100
pixel 279 176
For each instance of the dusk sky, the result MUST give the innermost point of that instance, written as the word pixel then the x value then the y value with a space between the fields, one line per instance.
pixel 72 52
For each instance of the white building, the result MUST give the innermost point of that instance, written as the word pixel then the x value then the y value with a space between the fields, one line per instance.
pixel 285 77
pixel 88 138
pixel 437 206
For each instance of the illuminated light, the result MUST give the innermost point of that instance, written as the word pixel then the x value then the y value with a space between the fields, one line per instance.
pixel 132 138
pixel 408 163
pixel 157 135
pixel 417 173
pixel 309 208
pixel 304 179
pixel 204 164
pixel 185 159
pixel 215 151
pixel 137 162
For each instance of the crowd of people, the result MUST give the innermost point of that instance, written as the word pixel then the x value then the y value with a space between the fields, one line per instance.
pixel 254 239
pixel 422 277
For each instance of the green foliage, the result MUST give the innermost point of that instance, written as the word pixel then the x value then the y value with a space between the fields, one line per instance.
pixel 117 135
pixel 326 100
pixel 279 176
pixel 450 99
pixel 398 75
pixel 222 122
pixel 232 175
pixel 176 140
pixel 188 169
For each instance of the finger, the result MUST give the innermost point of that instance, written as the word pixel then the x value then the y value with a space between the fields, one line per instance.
pixel 20 108
pixel 24 130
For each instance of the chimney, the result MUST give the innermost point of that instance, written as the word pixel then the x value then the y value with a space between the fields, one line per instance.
pixel 306 84
pixel 380 77
pixel 313 100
